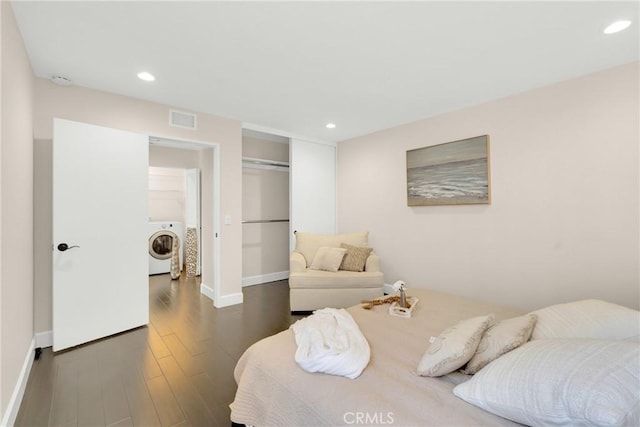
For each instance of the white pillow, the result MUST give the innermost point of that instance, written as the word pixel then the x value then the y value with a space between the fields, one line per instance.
pixel 453 347
pixel 587 319
pixel 499 339
pixel 561 382
pixel 328 259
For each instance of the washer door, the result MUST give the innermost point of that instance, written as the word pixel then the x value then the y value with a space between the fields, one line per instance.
pixel 160 244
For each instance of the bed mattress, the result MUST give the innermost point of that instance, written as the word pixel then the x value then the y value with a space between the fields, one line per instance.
pixel 274 391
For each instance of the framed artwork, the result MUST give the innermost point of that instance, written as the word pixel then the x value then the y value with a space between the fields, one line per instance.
pixel 453 173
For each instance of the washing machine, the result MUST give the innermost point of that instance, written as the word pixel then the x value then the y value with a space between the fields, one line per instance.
pixel 161 235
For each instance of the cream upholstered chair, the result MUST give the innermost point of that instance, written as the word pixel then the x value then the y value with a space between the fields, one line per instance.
pixel 314 286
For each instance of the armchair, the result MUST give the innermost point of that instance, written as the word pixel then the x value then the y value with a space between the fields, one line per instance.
pixel 311 289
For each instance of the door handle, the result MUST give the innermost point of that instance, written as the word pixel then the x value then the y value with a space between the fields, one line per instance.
pixel 63 247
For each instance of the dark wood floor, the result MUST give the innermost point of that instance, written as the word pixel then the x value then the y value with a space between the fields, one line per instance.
pixel 177 371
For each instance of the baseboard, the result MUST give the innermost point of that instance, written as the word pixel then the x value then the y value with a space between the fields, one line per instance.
pixel 223 300
pixel 227 300
pixel 11 413
pixel 207 291
pixel 265 278
pixel 44 339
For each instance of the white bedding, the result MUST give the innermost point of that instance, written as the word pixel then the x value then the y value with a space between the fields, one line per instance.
pixel 274 391
pixel 330 341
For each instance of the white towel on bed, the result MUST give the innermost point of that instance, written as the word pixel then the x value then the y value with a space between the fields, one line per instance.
pixel 330 341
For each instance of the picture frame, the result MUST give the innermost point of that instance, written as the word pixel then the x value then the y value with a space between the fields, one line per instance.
pixel 451 173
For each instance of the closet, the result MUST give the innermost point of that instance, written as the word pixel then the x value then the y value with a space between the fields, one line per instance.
pixel 265 207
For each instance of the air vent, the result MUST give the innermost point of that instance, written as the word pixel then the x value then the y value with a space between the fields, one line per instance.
pixel 181 119
pixel 61 80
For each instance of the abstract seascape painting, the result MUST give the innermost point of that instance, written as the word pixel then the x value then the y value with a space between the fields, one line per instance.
pixel 453 173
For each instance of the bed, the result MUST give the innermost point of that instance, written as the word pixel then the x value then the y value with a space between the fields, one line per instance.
pixel 274 391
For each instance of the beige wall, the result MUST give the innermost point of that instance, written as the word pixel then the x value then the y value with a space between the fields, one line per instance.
pixel 42 211
pixel 563 223
pixel 16 217
pixel 104 109
pixel 169 157
pixel 265 195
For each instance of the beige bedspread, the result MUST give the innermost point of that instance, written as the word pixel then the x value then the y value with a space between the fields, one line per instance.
pixel 274 391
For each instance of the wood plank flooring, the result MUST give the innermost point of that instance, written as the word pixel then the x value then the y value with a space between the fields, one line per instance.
pixel 177 371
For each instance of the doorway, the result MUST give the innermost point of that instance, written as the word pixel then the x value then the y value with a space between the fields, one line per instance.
pixel 198 206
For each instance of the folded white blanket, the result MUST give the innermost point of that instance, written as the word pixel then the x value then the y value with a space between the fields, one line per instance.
pixel 330 341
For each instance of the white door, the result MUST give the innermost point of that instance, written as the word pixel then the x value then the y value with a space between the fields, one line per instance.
pixel 192 208
pixel 312 183
pixel 100 211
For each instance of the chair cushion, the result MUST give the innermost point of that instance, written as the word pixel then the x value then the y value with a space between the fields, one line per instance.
pixel 308 243
pixel 317 279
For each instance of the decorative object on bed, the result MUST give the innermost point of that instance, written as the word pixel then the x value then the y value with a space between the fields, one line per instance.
pixel 389 299
pixel 452 173
pixel 403 309
pixel 398 286
pixel 394 309
pixel 587 319
pixel 500 339
pixel 330 341
pixel 561 382
pixel 454 347
pixel 405 305
pixel 314 289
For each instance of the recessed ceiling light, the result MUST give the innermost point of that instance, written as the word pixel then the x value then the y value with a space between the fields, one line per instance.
pixel 331 125
pixel 147 77
pixel 617 27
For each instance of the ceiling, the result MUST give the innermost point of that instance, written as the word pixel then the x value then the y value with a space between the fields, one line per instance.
pixel 295 66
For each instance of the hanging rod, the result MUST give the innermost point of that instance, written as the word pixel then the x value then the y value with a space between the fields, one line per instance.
pixel 263 162
pixel 259 221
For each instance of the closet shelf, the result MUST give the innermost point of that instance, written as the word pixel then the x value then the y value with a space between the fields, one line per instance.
pixel 260 221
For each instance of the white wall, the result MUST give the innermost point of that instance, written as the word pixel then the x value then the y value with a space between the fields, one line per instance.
pixel 16 211
pixel 166 194
pixel 563 222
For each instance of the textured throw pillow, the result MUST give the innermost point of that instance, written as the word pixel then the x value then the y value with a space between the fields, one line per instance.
pixel 355 258
pixel 328 259
pixel 587 319
pixel 453 347
pixel 499 339
pixel 560 382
